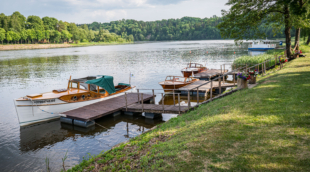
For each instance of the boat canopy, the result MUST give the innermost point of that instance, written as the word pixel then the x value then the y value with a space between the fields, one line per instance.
pixel 105 82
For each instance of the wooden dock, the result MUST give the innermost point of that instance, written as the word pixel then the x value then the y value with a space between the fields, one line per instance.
pixel 203 87
pixel 154 108
pixel 211 73
pixel 105 107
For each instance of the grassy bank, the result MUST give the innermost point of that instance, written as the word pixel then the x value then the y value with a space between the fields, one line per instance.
pixel 266 128
pixel 47 46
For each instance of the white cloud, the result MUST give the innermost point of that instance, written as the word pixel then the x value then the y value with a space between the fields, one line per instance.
pixel 87 11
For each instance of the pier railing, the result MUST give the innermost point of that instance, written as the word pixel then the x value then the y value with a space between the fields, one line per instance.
pixel 220 80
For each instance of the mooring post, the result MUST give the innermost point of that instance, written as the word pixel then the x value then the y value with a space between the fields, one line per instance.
pixel 163 101
pixel 220 89
pixel 126 100
pixel 142 100
pixel 179 103
pixel 153 95
pixel 197 96
pixel 138 96
pixel 173 98
pixel 188 99
pixel 211 90
pixel 234 79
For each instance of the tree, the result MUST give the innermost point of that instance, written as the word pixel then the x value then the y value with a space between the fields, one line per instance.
pixel 40 35
pixel 31 33
pixel 2 34
pixel 35 22
pixel 9 36
pixel 47 35
pixel 244 17
pixel 23 35
pixel 15 36
pixel 50 23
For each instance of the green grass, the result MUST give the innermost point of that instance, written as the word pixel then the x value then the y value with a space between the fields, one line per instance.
pixel 266 128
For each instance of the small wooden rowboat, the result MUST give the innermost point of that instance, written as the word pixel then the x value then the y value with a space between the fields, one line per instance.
pixel 176 82
pixel 192 68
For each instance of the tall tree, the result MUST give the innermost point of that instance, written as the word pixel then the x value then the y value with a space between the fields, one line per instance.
pixel 2 34
pixel 244 17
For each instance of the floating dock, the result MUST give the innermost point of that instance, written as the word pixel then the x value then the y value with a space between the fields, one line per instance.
pixel 204 86
pixel 154 108
pixel 105 107
pixel 210 73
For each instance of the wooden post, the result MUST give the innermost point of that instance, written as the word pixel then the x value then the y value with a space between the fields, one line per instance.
pixel 211 90
pixel 234 75
pixel 98 91
pixel 69 82
pixel 221 69
pixel 126 100
pixel 224 74
pixel 78 85
pixel 189 100
pixel 173 98
pixel 220 89
pixel 246 67
pixel 275 60
pixel 179 103
pixel 265 66
pixel 138 96
pixel 153 95
pixel 258 68
pixel 163 101
pixel 142 101
pixel 262 69
pixel 197 96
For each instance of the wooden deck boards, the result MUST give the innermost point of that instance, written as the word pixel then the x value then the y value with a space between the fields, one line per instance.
pixel 209 73
pixel 105 107
pixel 154 108
pixel 206 87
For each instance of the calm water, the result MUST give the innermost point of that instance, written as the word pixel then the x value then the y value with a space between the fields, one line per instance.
pixel 35 71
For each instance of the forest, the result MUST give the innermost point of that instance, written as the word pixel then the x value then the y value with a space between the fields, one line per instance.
pixel 16 28
pixel 186 28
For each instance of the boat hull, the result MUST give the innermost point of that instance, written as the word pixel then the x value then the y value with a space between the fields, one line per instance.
pixel 32 112
pixel 260 49
pixel 188 73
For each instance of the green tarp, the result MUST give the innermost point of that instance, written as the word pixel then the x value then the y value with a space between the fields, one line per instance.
pixel 105 82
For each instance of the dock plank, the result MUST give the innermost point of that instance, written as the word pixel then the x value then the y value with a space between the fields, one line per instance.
pixel 105 107
pixel 156 108
pixel 205 86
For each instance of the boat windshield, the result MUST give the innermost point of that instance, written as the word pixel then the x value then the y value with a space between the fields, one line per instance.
pixel 175 78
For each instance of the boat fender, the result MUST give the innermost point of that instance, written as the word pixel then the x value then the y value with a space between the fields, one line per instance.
pixel 83 97
pixel 74 98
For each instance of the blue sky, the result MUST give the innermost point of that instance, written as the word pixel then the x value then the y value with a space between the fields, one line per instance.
pixel 87 11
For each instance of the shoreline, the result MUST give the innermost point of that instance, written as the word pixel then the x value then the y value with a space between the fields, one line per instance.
pixel 225 133
pixel 12 47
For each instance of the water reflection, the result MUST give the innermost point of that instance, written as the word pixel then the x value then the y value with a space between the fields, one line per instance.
pixel 37 137
pixel 35 71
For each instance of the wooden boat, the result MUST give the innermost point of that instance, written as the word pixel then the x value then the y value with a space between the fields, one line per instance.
pixel 192 68
pixel 175 82
pixel 41 107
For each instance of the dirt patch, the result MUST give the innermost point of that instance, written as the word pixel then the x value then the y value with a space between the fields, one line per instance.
pixel 32 46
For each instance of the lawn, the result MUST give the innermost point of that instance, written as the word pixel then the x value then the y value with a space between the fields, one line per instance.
pixel 266 128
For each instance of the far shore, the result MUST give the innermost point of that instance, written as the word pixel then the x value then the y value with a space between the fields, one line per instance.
pixel 8 47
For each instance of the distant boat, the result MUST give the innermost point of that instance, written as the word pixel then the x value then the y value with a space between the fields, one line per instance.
pixel 262 45
pixel 41 107
pixel 176 82
pixel 192 68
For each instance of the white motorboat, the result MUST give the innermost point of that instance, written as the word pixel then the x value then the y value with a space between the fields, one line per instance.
pixel 262 45
pixel 80 92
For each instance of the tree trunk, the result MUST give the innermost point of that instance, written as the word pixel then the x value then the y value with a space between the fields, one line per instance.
pixel 297 38
pixel 308 40
pixel 287 31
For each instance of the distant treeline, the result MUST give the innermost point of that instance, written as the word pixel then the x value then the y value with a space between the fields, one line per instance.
pixel 16 28
pixel 186 28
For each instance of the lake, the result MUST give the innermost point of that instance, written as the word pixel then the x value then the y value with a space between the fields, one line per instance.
pixel 35 71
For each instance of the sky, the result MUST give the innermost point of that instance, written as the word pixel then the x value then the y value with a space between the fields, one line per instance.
pixel 88 11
